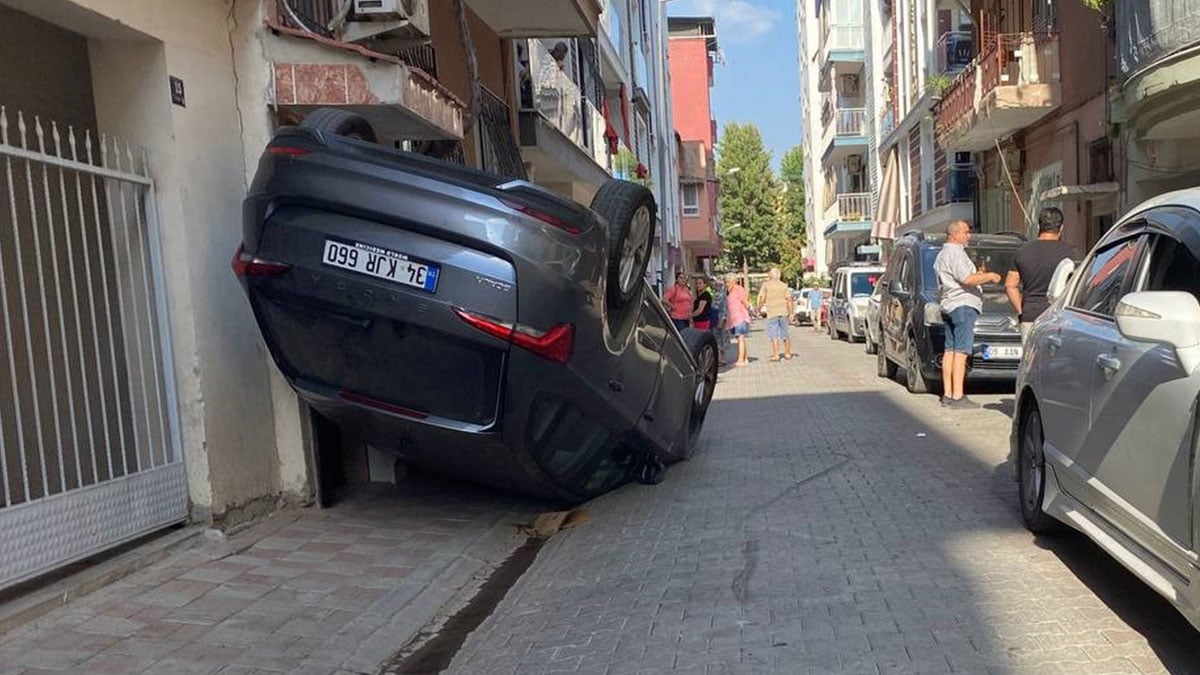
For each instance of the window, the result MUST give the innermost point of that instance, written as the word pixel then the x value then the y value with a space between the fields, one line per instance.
pixel 1172 267
pixel 691 199
pixel 1106 277
pixel 862 284
pixel 906 273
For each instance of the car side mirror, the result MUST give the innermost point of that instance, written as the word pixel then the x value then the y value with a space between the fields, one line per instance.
pixel 896 288
pixel 1060 280
pixel 1168 317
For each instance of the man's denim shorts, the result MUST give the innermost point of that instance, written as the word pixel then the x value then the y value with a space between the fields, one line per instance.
pixel 777 328
pixel 960 329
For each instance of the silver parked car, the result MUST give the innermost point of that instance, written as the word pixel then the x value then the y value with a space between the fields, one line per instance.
pixel 1107 422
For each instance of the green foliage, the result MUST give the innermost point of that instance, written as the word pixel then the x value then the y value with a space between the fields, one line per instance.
pixel 791 230
pixel 1097 5
pixel 750 201
pixel 625 167
pixel 938 84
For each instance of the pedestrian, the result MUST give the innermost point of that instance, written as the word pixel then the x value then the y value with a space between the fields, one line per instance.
pixel 720 310
pixel 738 316
pixel 678 300
pixel 776 298
pixel 702 305
pixel 961 301
pixel 815 296
pixel 1029 280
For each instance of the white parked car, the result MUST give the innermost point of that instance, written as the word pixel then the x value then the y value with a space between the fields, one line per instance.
pixel 1107 424
pixel 852 287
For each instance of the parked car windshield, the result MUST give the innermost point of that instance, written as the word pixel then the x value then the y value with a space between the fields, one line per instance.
pixel 862 284
pixel 987 258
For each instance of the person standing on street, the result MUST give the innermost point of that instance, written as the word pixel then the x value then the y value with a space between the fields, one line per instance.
pixel 678 300
pixel 777 298
pixel 702 305
pixel 961 300
pixel 1029 280
pixel 738 316
pixel 720 310
pixel 815 296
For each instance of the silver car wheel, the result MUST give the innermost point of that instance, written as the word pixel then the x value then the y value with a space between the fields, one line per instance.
pixel 1031 487
pixel 637 243
pixel 708 380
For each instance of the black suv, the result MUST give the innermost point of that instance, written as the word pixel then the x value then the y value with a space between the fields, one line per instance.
pixel 911 321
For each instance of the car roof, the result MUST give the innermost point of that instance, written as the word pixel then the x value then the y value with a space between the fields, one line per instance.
pixel 989 240
pixel 1189 198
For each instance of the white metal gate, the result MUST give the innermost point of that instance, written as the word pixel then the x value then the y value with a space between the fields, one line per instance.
pixel 89 427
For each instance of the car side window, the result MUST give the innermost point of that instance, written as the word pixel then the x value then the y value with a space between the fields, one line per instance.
pixel 839 286
pixel 906 273
pixel 1171 267
pixel 1107 277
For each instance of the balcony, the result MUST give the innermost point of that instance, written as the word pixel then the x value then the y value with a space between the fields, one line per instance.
pixel 545 18
pixel 850 215
pixel 398 92
pixel 845 133
pixel 696 162
pixel 843 43
pixel 1012 84
pixel 561 129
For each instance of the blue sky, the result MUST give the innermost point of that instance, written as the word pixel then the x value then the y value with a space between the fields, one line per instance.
pixel 760 81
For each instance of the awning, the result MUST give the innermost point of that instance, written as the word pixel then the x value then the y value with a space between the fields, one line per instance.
pixel 1081 193
pixel 887 218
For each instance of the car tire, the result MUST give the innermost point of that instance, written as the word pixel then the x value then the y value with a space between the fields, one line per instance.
pixel 703 347
pixel 1031 473
pixel 630 210
pixel 341 123
pixel 833 334
pixel 870 346
pixel 884 366
pixel 914 376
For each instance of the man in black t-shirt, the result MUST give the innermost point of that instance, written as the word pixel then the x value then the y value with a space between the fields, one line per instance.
pixel 1029 280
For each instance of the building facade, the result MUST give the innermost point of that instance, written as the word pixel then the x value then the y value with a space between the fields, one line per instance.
pixel 835 96
pixel 129 132
pixel 693 46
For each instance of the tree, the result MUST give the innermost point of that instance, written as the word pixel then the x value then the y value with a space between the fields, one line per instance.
pixel 749 198
pixel 792 229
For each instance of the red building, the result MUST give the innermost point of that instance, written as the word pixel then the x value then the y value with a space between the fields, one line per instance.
pixel 693 52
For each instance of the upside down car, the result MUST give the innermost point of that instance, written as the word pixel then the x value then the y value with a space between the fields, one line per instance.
pixel 468 322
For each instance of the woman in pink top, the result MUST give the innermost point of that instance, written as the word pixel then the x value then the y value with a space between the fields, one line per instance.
pixel 738 313
pixel 678 300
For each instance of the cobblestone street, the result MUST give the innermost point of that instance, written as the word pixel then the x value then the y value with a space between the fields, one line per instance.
pixel 829 522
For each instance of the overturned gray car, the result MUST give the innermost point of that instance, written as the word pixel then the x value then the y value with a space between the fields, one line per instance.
pixel 471 323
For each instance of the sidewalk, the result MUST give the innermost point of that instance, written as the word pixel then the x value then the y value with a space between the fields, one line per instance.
pixel 306 591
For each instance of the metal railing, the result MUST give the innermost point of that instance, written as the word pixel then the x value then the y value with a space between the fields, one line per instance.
pixel 554 94
pixel 314 15
pixel 499 150
pixel 1149 30
pixel 421 56
pixel 955 51
pixel 854 206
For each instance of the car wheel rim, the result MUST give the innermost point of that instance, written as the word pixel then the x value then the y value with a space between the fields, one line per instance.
pixel 708 382
pixel 913 364
pixel 637 242
pixel 1033 464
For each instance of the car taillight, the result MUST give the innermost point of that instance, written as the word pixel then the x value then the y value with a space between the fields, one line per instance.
pixel 543 216
pixel 287 150
pixel 554 345
pixel 248 265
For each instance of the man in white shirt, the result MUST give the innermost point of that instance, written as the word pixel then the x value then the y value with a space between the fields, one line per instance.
pixel 961 300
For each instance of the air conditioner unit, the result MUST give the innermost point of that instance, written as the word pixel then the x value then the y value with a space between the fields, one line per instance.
pixel 850 84
pixel 854 163
pixel 388 25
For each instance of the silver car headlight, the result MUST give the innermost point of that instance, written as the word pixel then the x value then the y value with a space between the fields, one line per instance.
pixel 933 314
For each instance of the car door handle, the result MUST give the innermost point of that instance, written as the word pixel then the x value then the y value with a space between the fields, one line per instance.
pixel 1109 363
pixel 1054 341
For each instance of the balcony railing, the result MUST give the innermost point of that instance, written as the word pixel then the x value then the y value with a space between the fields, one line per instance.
pixel 1148 30
pixel 955 50
pixel 1017 59
pixel 499 149
pixel 850 121
pixel 854 206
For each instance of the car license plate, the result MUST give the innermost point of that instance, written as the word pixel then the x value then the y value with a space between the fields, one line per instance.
pixel 1002 352
pixel 381 263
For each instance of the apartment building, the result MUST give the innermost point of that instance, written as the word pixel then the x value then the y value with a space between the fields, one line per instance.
pixel 835 96
pixel 129 130
pixel 1154 101
pixel 1031 107
pixel 693 58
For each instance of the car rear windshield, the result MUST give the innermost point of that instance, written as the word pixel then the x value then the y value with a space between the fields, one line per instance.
pixel 986 258
pixel 862 284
